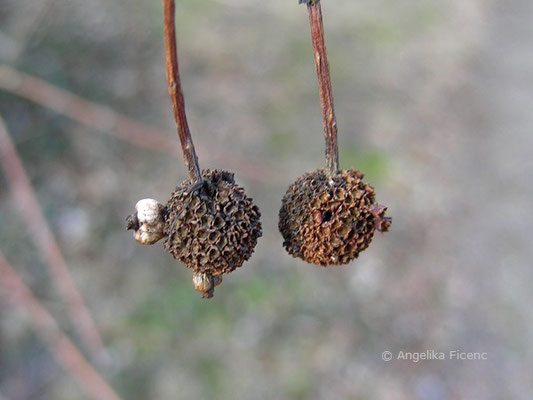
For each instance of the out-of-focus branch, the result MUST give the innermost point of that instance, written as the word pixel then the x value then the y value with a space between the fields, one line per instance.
pixel 44 239
pixel 58 343
pixel 108 121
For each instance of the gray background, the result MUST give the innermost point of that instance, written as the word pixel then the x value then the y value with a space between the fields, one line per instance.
pixel 434 103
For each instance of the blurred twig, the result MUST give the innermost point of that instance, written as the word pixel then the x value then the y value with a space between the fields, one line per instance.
pixel 44 239
pixel 59 344
pixel 108 121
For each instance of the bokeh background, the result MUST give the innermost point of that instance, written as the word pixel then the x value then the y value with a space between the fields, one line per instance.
pixel 434 102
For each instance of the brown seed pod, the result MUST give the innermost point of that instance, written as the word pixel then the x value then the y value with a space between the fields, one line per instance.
pixel 213 227
pixel 330 221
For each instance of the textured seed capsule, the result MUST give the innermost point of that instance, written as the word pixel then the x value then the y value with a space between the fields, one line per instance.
pixel 330 221
pixel 211 228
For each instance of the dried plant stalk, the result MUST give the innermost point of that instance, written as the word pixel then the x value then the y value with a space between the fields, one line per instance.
pixel 324 86
pixel 44 239
pixel 63 350
pixel 208 223
pixel 175 92
pixel 328 217
pixel 110 122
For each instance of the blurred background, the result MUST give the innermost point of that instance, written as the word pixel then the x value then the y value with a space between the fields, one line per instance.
pixel 434 101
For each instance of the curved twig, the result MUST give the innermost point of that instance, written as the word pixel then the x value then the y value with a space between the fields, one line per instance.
pixel 61 347
pixel 110 122
pixel 44 239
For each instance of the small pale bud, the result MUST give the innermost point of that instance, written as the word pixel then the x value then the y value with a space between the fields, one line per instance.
pixel 148 222
pixel 205 283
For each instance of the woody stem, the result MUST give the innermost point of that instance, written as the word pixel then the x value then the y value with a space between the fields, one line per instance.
pixel 175 92
pixel 324 85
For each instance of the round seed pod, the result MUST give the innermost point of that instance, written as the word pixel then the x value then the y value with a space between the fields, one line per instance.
pixel 211 227
pixel 330 221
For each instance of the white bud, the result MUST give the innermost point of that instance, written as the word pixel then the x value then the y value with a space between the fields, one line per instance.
pixel 148 221
pixel 205 283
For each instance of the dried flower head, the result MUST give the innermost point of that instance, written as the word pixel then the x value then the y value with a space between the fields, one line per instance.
pixel 330 221
pixel 212 228
pixel 209 224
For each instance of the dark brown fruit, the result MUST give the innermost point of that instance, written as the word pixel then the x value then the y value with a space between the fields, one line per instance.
pixel 330 222
pixel 213 227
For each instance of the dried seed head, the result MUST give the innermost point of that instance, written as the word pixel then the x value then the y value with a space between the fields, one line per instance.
pixel 148 221
pixel 327 221
pixel 212 228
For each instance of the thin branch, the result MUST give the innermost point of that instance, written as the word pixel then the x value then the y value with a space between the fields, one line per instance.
pixel 108 121
pixel 63 350
pixel 175 92
pixel 324 85
pixel 44 239
pixel 80 110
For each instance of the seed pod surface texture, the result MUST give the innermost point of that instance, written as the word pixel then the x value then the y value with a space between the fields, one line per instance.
pixel 329 222
pixel 212 228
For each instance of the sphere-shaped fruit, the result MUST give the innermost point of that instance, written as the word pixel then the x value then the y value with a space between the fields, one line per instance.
pixel 211 227
pixel 330 221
